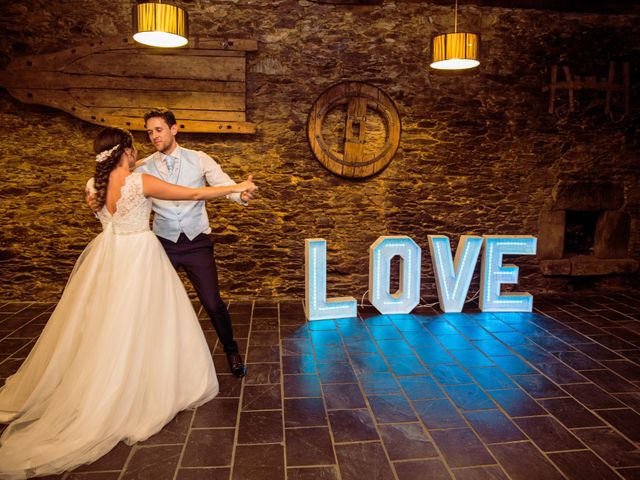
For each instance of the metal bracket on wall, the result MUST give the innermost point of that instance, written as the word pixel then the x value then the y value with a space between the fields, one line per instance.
pixel 574 82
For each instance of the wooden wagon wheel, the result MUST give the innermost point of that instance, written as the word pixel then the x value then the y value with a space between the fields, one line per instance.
pixel 356 161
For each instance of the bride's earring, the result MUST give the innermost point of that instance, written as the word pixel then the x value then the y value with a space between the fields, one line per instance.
pixel 131 160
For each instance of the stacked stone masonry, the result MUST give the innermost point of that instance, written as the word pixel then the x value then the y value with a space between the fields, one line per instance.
pixel 479 152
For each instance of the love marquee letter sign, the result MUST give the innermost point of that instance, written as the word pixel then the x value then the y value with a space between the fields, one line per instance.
pixel 452 276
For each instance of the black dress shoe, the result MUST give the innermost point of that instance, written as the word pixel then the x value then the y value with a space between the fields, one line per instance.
pixel 236 365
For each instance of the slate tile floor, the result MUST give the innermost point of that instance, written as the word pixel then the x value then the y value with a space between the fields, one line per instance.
pixel 550 395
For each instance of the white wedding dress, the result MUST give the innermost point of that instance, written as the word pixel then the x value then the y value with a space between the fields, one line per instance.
pixel 122 353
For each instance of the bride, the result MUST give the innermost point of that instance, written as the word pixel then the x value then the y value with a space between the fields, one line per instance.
pixel 123 351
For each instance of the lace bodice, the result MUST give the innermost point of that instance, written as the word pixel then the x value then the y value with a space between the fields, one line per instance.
pixel 132 209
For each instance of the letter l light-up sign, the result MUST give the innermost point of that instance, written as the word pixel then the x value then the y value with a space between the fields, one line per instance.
pixel 317 307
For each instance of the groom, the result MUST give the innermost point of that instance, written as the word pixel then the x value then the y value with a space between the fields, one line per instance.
pixel 183 227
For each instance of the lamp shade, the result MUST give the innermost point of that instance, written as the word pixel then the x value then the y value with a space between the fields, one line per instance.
pixel 455 51
pixel 160 25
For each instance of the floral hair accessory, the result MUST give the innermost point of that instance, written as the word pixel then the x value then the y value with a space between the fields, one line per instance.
pixel 102 156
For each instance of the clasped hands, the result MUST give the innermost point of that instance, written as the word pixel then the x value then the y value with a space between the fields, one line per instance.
pixel 248 189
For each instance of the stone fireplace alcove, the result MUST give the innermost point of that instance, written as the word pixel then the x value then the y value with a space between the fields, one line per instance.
pixel 586 230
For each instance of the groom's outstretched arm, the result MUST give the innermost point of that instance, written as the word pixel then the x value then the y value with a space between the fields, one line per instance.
pixel 215 177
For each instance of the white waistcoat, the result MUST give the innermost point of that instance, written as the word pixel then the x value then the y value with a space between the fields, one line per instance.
pixel 173 217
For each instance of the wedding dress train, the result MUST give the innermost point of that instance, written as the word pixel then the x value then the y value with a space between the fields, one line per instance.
pixel 122 353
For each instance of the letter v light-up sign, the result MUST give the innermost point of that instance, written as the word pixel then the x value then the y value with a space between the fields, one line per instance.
pixel 453 277
pixel 493 273
pixel 317 307
pixel 380 254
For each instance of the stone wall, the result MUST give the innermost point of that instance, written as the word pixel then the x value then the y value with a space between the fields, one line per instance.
pixel 479 153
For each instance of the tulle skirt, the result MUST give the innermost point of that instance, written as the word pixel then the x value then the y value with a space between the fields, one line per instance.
pixel 122 353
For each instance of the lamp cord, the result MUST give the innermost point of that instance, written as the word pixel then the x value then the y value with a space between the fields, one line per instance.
pixel 455 19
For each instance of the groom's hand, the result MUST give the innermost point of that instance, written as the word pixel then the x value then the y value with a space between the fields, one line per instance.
pixel 250 193
pixel 90 195
pixel 92 203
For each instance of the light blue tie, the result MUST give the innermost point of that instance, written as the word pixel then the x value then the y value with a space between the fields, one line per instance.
pixel 170 162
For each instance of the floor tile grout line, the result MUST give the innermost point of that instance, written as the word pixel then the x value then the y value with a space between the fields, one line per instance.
pixel 282 420
pixel 404 395
pixel 365 396
pixel 324 402
pixel 461 411
pixel 11 332
pixel 236 433
pixel 189 428
pixel 184 445
pixel 474 382
pixel 592 411
pixel 604 367
pixel 127 460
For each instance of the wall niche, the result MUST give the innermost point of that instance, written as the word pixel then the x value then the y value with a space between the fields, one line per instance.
pixel 586 230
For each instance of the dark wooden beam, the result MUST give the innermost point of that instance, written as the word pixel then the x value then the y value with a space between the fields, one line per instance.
pixel 578 6
pixel 351 2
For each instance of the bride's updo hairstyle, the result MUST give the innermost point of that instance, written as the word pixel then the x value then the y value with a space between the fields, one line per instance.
pixel 109 146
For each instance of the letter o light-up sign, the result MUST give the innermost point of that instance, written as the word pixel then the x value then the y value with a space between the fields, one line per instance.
pixel 380 254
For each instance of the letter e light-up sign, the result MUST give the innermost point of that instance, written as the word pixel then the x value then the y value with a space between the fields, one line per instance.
pixel 493 273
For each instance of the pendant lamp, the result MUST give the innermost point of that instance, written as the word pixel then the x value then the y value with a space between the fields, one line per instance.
pixel 160 25
pixel 455 51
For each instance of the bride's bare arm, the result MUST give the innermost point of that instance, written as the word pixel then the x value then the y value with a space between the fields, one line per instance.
pixel 156 188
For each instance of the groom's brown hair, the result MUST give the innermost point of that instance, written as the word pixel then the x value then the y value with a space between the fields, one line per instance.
pixel 164 113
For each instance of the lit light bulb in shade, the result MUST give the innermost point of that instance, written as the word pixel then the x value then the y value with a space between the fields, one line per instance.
pixel 160 25
pixel 160 39
pixel 455 51
pixel 455 64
